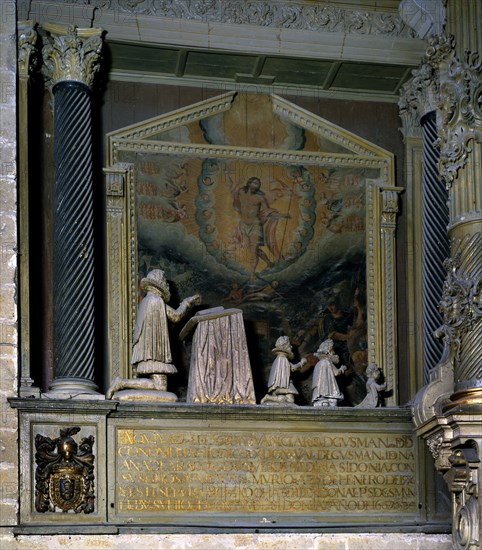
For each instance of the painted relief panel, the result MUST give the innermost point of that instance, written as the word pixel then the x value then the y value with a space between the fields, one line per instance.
pixel 273 221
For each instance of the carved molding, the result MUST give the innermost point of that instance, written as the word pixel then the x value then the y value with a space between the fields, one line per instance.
pixel 334 133
pixel 440 446
pixel 285 15
pixel 71 54
pixel 389 208
pixel 177 118
pixel 382 209
pixel 455 441
pixel 461 311
pixel 227 151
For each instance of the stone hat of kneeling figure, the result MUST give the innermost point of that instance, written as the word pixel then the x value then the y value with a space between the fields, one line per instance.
pixel 157 279
pixel 283 345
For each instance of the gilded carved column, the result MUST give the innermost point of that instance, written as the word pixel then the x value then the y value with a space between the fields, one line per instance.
pixel 458 60
pixel 27 63
pixel 71 58
pixel 460 137
pixel 448 411
pixel 459 131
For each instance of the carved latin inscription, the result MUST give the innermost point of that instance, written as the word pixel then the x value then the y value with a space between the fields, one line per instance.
pixel 189 471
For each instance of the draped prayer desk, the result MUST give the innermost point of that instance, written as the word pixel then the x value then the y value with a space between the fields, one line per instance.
pixel 220 371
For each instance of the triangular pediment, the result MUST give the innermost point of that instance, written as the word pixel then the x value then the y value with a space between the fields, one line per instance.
pixel 252 122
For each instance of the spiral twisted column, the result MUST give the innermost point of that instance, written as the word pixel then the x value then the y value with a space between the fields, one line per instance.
pixel 71 58
pixel 435 246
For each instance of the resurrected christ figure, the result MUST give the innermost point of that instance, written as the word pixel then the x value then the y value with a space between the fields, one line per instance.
pixel 258 223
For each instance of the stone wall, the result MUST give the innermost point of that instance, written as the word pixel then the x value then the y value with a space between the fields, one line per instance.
pixel 8 266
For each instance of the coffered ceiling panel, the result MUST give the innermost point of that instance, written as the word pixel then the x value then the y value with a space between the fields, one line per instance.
pixel 373 81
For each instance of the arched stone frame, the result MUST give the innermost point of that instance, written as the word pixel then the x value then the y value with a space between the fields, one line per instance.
pixel 381 213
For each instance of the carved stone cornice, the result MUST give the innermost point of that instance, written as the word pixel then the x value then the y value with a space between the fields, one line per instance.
pixel 284 15
pixel 459 120
pixel 27 47
pixel 71 54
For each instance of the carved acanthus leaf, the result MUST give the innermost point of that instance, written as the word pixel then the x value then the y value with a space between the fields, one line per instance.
pixel 73 55
pixel 418 97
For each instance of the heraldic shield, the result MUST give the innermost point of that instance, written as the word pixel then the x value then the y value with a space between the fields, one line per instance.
pixel 65 475
pixel 67 488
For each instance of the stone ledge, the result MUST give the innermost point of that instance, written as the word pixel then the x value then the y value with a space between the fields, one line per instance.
pixel 288 541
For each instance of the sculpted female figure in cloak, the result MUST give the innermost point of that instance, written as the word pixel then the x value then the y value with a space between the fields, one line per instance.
pixel 325 387
pixel 280 387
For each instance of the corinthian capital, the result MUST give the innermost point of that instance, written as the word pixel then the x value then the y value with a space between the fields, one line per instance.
pixel 460 119
pixel 417 98
pixel 71 54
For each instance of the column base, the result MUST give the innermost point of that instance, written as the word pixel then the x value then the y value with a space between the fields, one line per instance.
pixel 471 396
pixel 27 389
pixel 73 388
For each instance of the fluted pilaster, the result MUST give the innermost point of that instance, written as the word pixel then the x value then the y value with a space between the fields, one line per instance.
pixel 27 63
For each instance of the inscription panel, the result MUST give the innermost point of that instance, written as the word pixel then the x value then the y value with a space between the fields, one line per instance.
pixel 194 470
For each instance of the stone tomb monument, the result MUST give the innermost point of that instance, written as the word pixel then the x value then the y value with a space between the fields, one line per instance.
pixel 220 371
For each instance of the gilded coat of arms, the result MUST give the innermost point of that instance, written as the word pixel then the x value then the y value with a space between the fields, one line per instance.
pixel 64 479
